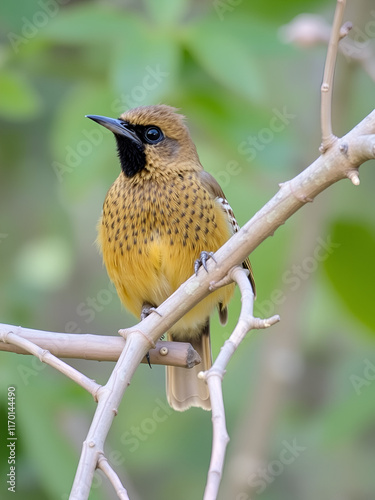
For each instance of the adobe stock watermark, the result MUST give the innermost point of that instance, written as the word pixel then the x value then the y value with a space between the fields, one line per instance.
pixel 153 77
pixel 31 368
pixel 298 273
pixel 222 7
pixel 256 143
pixel 138 434
pixel 74 155
pixel 266 474
pixel 31 26
pixel 97 480
pixel 92 305
pixel 223 177
pixel 3 236
pixel 134 437
pixel 359 39
pixel 367 377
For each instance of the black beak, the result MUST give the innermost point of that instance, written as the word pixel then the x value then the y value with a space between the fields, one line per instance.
pixel 117 126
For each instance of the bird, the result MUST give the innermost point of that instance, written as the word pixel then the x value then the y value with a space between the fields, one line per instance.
pixel 162 218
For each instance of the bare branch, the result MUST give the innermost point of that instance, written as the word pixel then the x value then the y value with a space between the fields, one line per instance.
pixel 46 357
pixel 214 377
pixel 328 138
pixel 98 347
pixel 113 477
pixel 109 399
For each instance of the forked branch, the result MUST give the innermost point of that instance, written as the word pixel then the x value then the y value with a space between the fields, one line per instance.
pixel 341 159
pixel 214 376
pixel 94 347
pixel 337 33
pixel 46 357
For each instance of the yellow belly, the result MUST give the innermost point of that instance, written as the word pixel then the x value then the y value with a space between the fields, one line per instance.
pixel 150 239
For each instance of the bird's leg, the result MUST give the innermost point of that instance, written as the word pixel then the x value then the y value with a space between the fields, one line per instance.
pixel 146 310
pixel 202 261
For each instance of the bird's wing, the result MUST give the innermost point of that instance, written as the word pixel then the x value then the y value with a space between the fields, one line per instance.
pixel 213 187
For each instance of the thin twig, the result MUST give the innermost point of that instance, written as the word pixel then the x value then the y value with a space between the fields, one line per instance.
pixel 328 138
pixel 99 347
pixel 46 357
pixel 215 374
pixel 109 399
pixel 113 477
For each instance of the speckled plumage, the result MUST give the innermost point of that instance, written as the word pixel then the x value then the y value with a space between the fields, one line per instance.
pixel 155 224
pixel 152 232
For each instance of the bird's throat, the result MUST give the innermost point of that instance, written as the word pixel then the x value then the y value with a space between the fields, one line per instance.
pixel 132 156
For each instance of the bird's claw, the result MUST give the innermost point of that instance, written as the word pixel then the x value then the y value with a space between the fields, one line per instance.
pixel 147 309
pixel 202 261
pixel 148 360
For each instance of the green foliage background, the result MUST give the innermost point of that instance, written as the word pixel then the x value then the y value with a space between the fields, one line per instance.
pixel 224 65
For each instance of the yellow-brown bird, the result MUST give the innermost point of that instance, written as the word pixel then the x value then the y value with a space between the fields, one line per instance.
pixel 161 217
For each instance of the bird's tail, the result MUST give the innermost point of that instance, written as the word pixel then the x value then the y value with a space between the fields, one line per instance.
pixel 184 388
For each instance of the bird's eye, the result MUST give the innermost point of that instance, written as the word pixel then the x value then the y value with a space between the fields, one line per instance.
pixel 153 135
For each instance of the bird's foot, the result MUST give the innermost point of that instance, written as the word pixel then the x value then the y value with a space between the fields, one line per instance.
pixel 202 261
pixel 147 309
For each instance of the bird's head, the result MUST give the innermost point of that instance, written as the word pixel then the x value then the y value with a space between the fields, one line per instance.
pixel 152 139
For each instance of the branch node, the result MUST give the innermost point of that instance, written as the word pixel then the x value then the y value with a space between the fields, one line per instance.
pixel 232 273
pixel 299 196
pixel 163 351
pixel 271 321
pixel 96 394
pixel 214 285
pixel 260 324
pixel 43 354
pixel 353 176
pixel 91 444
pixel 215 372
pixel 126 332
pixel 4 337
pixel 344 30
pixel 327 143
pixel 344 148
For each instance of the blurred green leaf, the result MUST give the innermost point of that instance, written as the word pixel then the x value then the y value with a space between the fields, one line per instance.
pixel 44 430
pixel 18 99
pixel 165 12
pixel 45 263
pixel 144 67
pixel 351 270
pixel 276 10
pixel 90 23
pixel 81 148
pixel 223 56
pixel 260 36
pixel 345 421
